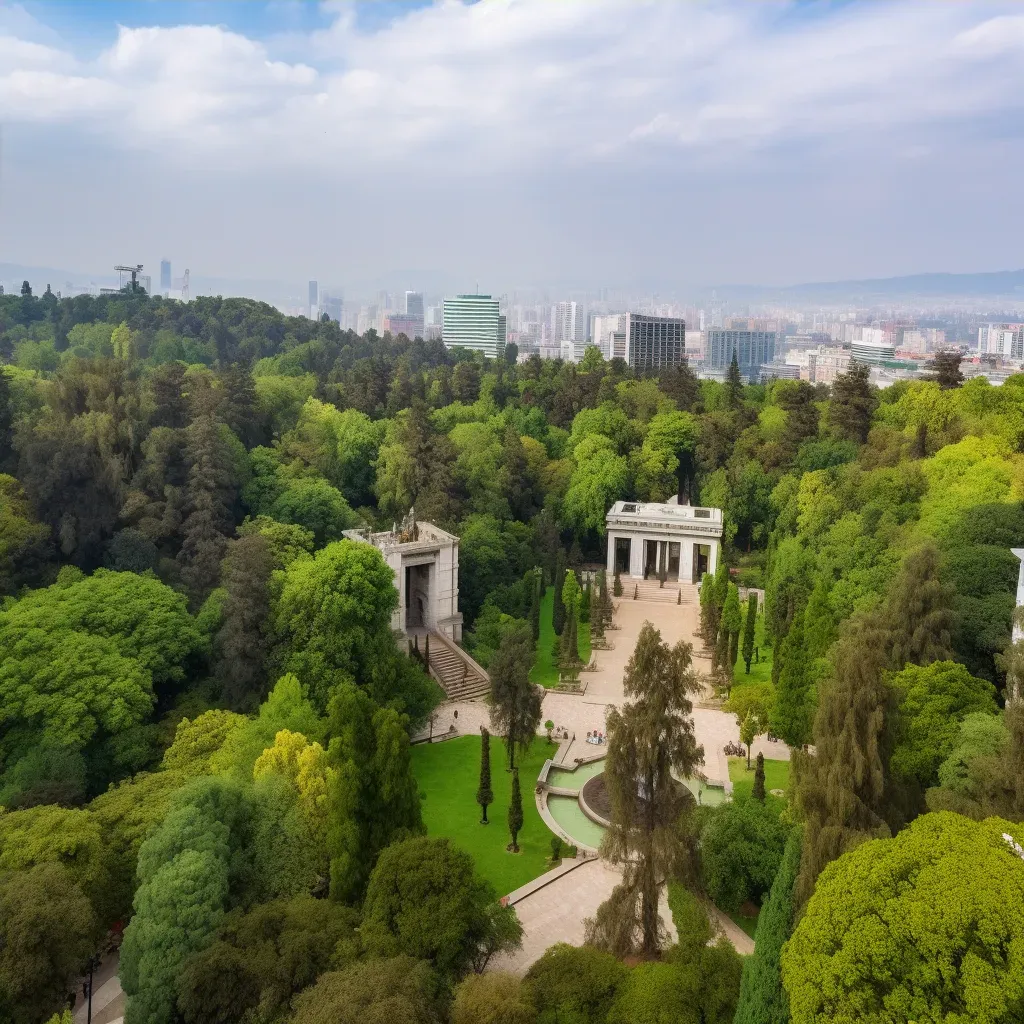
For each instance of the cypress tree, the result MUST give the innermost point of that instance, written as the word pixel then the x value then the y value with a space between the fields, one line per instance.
pixel 585 603
pixel 617 587
pixel 793 712
pixel 597 611
pixel 758 793
pixel 749 626
pixel 535 608
pixel 844 790
pixel 515 812
pixel 558 613
pixel 762 999
pixel 734 383
pixel 484 793
pixel 919 612
pixel 708 618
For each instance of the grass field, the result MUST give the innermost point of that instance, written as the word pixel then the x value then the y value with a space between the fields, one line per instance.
pixel 545 670
pixel 448 774
pixel 776 776
pixel 748 924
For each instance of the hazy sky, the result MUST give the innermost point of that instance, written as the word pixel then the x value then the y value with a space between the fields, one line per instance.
pixel 516 142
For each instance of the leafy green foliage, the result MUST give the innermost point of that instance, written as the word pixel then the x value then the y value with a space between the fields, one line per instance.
pixel 574 984
pixel 926 926
pixel 932 703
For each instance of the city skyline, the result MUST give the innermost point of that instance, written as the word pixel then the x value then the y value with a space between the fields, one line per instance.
pixel 778 144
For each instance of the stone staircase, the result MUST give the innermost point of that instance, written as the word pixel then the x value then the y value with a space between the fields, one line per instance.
pixel 651 590
pixel 460 676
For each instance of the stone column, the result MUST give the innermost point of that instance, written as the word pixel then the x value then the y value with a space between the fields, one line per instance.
pixel 610 561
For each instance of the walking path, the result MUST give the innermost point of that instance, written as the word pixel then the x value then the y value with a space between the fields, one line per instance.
pixel 556 911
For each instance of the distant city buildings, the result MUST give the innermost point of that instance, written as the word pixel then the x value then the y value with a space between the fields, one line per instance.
pixel 402 323
pixel 414 313
pixel 314 301
pixel 603 327
pixel 332 306
pixel 473 322
pixel 654 342
pixel 752 345
pixel 165 277
pixel 872 352
pixel 1001 340
pixel 568 331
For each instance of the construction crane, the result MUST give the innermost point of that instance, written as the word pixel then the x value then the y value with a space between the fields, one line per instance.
pixel 184 287
pixel 133 277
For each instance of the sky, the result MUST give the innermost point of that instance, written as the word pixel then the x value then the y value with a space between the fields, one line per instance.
pixel 504 144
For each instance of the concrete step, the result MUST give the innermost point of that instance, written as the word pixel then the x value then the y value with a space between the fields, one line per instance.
pixel 650 590
pixel 460 677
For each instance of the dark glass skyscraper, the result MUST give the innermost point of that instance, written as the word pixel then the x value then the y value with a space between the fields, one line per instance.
pixel 654 342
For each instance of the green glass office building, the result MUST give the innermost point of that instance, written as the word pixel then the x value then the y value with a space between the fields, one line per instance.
pixel 473 322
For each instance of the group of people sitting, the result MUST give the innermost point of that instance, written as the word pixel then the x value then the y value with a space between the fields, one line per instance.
pixel 595 737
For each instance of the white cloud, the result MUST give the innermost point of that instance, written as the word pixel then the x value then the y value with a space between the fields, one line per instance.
pixel 522 82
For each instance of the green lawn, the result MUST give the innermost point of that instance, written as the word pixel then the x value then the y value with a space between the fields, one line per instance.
pixel 748 924
pixel 448 774
pixel 776 776
pixel 545 670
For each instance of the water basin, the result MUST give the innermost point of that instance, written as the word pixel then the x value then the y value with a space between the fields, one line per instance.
pixel 563 779
pixel 566 811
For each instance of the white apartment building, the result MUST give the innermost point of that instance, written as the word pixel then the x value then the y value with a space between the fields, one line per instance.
pixel 568 330
pixel 1001 340
pixel 603 327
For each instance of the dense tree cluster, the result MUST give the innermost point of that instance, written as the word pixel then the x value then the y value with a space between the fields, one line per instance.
pixel 205 720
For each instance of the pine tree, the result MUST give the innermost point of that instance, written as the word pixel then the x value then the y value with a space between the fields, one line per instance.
pixel 484 793
pixel 793 712
pixel 558 613
pixel 649 740
pixel 758 793
pixel 844 789
pixel 946 369
pixel 515 812
pixel 734 383
pixel 853 402
pixel 919 612
pixel 749 628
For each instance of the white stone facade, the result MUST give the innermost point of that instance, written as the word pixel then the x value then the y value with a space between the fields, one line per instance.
pixel 645 536
pixel 425 561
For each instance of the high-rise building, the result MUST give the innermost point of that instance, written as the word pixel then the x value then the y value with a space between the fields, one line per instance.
pixel 1001 340
pixel 314 300
pixel 473 322
pixel 331 305
pixel 414 311
pixel 752 347
pixel 165 276
pixel 603 327
pixel 654 342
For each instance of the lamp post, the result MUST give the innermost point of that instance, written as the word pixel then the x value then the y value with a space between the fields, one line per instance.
pixel 94 962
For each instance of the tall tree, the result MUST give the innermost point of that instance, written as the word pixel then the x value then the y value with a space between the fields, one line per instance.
pixel 946 369
pixel 374 801
pixel 484 792
pixel 758 791
pixel 243 638
pixel 649 740
pixel 558 609
pixel 210 496
pixel 749 628
pixel 515 702
pixel 853 402
pixel 792 714
pixel 843 789
pixel 734 383
pixel 763 1000
pixel 732 623
pixel 535 588
pixel 920 611
pixel 515 812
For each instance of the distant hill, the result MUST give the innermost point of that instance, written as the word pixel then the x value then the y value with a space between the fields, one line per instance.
pixel 999 284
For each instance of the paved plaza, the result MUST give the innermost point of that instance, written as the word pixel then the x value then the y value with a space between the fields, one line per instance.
pixel 556 912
